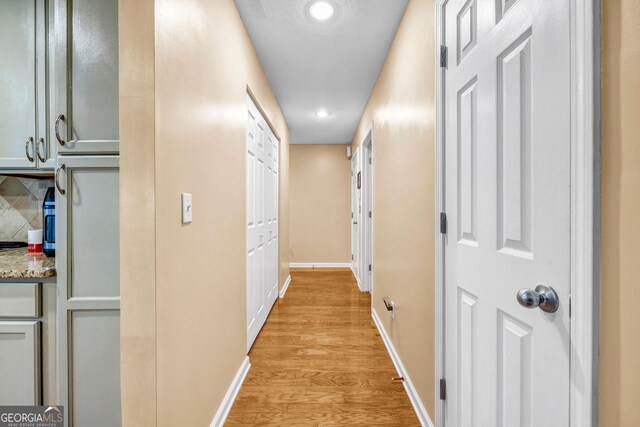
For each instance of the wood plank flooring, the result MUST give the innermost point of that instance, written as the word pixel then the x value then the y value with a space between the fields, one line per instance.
pixel 320 361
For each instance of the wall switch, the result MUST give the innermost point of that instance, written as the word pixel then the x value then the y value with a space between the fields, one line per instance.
pixel 187 208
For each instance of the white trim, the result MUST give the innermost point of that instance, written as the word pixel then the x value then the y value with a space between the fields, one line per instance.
pixel 285 286
pixel 440 239
pixel 357 279
pixel 585 209
pixel 230 397
pixel 418 407
pixel 320 265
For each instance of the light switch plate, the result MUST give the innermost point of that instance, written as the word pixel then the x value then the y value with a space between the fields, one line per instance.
pixel 187 208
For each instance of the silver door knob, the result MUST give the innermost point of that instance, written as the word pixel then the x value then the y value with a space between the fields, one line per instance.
pixel 543 296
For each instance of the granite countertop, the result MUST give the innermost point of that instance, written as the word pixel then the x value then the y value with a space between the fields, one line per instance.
pixel 18 264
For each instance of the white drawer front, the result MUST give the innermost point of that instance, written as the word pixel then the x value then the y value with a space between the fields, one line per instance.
pixel 18 300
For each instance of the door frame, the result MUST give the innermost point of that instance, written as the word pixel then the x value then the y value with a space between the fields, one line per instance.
pixel 367 204
pixel 355 239
pixel 585 212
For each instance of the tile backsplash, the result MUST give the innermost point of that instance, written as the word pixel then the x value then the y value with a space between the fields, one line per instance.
pixel 21 206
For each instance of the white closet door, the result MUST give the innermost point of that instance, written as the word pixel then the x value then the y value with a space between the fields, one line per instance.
pixel 262 229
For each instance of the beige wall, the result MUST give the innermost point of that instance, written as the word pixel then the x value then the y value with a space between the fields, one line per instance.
pixel 402 108
pixel 620 279
pixel 320 204
pixel 187 284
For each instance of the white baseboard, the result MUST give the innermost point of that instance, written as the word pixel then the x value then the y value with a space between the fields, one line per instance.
pixel 356 277
pixel 320 264
pixel 230 397
pixel 285 287
pixel 421 411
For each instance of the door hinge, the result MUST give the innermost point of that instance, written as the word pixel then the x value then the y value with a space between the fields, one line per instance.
pixel 351 257
pixel 443 56
pixel 369 214
pixel 369 160
pixel 443 223
pixel 369 267
pixel 351 215
pixel 443 389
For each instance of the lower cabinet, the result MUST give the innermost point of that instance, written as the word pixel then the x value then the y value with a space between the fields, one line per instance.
pixel 94 368
pixel 20 362
pixel 88 268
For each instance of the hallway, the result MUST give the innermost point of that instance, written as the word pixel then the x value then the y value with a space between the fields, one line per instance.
pixel 319 360
pixel 443 189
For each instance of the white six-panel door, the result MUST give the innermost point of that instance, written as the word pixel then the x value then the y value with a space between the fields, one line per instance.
pixel 507 139
pixel 262 221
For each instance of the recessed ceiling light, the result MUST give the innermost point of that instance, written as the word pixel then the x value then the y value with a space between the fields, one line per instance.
pixel 321 10
pixel 322 114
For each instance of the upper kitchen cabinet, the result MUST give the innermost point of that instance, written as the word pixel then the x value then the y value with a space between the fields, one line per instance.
pixel 84 115
pixel 23 100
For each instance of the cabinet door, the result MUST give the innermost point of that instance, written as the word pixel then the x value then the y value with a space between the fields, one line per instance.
pixel 22 39
pixel 86 76
pixel 20 363
pixel 89 290
pixel 46 145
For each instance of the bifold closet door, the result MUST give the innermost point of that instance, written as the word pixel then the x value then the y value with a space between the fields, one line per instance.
pixel 262 221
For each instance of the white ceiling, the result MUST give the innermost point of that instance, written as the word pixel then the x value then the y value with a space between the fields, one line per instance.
pixel 330 65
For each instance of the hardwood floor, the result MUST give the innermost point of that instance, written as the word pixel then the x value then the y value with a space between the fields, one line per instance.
pixel 320 361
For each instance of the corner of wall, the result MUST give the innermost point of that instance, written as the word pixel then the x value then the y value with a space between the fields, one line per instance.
pixel 137 212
